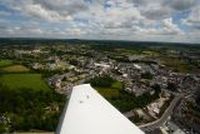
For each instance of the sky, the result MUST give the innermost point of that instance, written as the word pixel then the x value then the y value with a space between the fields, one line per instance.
pixel 136 20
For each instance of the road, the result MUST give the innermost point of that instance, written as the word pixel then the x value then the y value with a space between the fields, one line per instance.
pixel 131 113
pixel 164 117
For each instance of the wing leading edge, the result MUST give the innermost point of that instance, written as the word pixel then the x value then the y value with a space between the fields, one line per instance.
pixel 87 112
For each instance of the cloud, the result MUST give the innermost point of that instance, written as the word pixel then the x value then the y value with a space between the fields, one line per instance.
pixel 4 13
pixel 105 19
pixel 157 13
pixel 170 27
pixel 193 20
pixel 182 4
pixel 20 30
pixel 37 10
pixel 161 9
pixel 167 27
pixel 50 10
pixel 154 10
pixel 63 6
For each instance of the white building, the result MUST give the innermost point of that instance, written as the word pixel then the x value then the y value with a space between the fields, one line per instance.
pixel 102 65
pixel 137 66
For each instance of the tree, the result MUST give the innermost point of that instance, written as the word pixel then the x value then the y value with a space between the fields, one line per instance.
pixel 171 86
pixel 197 99
pixel 26 108
pixel 103 81
pixel 147 75
pixel 156 87
pixel 74 62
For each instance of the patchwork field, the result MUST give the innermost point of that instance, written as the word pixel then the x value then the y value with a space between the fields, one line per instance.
pixel 4 63
pixel 15 69
pixel 25 96
pixel 27 80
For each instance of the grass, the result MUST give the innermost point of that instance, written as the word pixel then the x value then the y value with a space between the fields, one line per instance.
pixel 150 53
pixel 117 85
pixel 27 80
pixel 4 63
pixel 178 65
pixel 138 52
pixel 129 51
pixel 25 96
pixel 15 69
pixel 110 92
pixel 107 92
pixel 123 100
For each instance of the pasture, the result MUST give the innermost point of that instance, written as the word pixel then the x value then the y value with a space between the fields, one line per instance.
pixel 23 81
pixel 4 63
pixel 110 92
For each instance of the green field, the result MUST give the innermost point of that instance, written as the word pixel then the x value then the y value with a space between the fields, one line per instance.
pixel 110 92
pixel 29 103
pixel 113 91
pixel 15 69
pixel 4 63
pixel 19 81
pixel 177 65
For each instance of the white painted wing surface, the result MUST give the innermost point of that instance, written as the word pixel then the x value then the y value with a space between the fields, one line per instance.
pixel 87 112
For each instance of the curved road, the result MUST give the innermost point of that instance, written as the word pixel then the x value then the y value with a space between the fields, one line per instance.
pixel 164 117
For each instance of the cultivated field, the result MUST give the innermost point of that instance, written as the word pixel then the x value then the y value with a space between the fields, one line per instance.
pixel 26 80
pixel 15 69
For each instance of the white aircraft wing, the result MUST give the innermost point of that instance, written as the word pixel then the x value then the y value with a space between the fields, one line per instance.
pixel 87 112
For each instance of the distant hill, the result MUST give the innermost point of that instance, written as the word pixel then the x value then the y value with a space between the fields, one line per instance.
pixel 116 43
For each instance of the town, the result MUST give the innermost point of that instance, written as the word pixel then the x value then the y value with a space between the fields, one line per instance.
pixel 155 86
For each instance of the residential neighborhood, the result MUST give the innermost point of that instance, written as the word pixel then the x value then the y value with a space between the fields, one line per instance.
pixel 145 76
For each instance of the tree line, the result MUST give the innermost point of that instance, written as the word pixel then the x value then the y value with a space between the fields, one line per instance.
pixel 29 109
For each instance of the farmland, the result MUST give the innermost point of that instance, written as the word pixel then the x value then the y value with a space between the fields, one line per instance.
pixel 15 69
pixel 110 92
pixel 4 63
pixel 178 65
pixel 26 99
pixel 16 77
pixel 27 81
